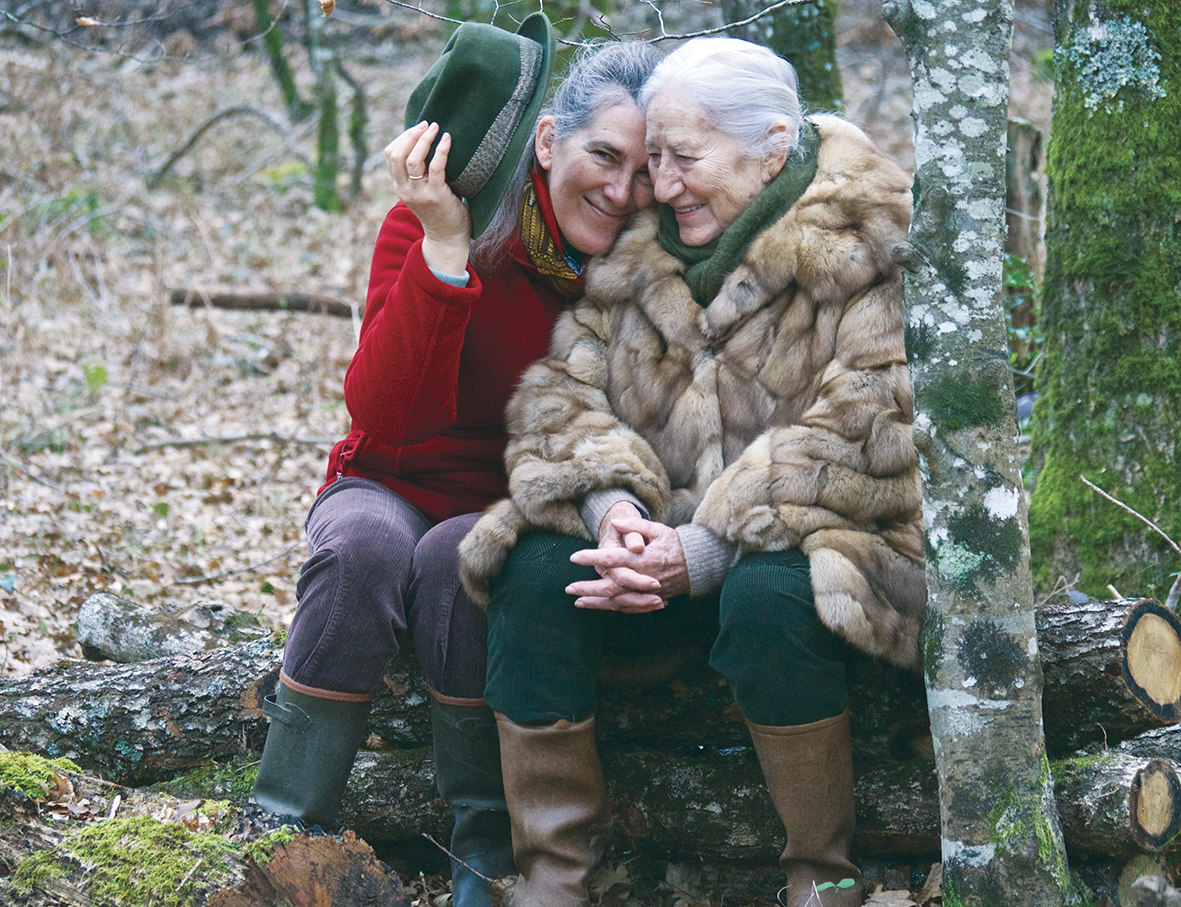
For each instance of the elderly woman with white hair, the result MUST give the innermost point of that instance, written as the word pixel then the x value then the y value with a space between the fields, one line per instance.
pixel 727 412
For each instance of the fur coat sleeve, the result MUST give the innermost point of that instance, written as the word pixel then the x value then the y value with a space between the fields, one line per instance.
pixel 565 442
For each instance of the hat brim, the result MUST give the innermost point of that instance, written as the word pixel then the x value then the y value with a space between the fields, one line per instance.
pixel 482 207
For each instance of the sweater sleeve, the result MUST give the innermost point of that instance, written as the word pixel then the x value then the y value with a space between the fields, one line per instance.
pixel 402 383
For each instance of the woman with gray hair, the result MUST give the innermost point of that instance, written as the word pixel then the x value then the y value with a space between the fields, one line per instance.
pixel 727 413
pixel 500 209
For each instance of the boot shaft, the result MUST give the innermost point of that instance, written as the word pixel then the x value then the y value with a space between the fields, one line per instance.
pixel 467 773
pixel 309 752
pixel 809 773
pixel 557 799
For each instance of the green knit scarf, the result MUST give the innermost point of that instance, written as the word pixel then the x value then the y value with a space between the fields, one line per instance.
pixel 710 264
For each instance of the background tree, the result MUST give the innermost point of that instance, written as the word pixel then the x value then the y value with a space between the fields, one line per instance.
pixel 1110 377
pixel 1002 840
pixel 803 33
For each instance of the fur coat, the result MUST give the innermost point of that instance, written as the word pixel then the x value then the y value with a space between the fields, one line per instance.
pixel 778 417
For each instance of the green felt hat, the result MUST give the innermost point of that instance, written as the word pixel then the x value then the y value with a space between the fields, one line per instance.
pixel 486 90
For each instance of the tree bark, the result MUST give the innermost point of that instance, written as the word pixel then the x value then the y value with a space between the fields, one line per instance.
pixel 1001 836
pixel 1110 393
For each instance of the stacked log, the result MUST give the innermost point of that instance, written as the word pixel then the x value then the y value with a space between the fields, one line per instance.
pixel 682 777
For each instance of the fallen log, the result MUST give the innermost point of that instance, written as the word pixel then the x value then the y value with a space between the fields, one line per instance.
pixel 1150 658
pixel 1154 805
pixel 712 804
pixel 1085 699
pixel 88 842
pixel 316 303
pixel 143 722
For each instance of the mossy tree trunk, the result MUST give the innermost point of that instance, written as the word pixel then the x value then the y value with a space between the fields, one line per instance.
pixel 1110 375
pixel 297 108
pixel 805 35
pixel 325 68
pixel 1002 840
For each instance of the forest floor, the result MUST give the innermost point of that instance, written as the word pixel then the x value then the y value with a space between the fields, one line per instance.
pixel 169 454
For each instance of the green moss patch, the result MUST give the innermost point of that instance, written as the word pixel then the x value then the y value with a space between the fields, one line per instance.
pixel 143 861
pixel 32 775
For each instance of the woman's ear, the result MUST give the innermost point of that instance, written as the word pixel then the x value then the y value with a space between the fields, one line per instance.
pixel 543 142
pixel 774 161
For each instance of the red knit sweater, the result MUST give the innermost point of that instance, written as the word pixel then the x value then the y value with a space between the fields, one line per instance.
pixel 433 371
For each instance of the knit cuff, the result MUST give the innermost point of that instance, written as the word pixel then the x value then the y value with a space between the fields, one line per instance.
pixel 707 558
pixel 453 280
pixel 596 504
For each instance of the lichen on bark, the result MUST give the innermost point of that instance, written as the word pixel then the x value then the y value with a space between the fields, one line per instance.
pixel 983 675
pixel 1110 375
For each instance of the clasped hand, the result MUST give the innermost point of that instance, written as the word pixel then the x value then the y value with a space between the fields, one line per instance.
pixel 641 565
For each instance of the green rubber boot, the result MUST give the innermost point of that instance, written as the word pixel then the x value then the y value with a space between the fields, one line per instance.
pixel 308 755
pixel 467 771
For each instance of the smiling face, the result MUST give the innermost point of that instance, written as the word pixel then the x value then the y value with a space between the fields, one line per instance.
pixel 700 171
pixel 598 176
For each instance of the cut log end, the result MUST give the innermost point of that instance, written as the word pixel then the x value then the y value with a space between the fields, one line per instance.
pixel 1154 805
pixel 1151 658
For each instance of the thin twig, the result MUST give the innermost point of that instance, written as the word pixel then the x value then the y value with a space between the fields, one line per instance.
pixel 457 859
pixel 189 874
pixel 20 467
pixel 235 439
pixel 194 580
pixel 663 36
pixel 1174 596
pixel 1120 503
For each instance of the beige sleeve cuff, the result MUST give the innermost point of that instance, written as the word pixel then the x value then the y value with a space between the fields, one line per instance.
pixel 596 504
pixel 707 557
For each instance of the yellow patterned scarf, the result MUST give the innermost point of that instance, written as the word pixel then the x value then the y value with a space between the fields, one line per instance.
pixel 543 243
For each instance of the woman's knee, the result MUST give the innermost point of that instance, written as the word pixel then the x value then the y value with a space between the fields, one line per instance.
pixel 542 651
pixel 370 528
pixel 783 664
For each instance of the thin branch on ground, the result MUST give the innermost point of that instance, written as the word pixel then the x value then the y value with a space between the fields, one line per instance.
pixel 457 859
pixel 235 439
pixel 154 180
pixel 1174 593
pixel 20 467
pixel 196 580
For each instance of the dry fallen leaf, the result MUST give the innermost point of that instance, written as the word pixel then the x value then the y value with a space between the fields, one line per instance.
pixel 327 6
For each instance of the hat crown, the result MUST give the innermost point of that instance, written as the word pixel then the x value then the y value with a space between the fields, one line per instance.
pixel 485 90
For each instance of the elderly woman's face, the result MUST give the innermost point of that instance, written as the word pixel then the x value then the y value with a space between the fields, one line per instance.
pixel 698 170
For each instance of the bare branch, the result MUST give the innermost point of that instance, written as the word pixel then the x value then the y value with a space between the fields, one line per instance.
pixel 1120 503
pixel 654 4
pixel 154 180
pixel 20 467
pixel 1174 597
pixel 194 580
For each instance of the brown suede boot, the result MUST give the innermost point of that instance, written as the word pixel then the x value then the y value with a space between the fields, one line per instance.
pixel 809 772
pixel 558 809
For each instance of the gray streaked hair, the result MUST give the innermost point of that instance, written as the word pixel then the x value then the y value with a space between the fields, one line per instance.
pixel 743 89
pixel 599 77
